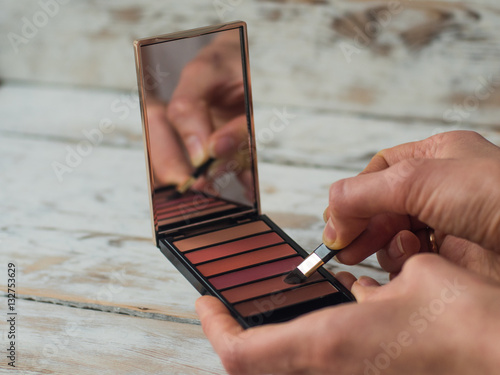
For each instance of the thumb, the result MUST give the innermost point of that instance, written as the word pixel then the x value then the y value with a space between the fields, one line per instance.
pixel 434 191
pixel 365 288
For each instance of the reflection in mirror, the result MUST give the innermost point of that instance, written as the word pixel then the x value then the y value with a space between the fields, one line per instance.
pixel 193 96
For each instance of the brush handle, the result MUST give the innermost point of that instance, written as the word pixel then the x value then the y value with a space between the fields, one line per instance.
pixel 203 168
pixel 324 253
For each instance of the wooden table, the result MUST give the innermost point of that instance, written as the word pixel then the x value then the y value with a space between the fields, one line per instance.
pixel 94 295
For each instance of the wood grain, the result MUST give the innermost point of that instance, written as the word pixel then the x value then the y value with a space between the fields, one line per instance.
pixel 87 240
pixel 409 60
pixel 95 294
pixel 307 137
pixel 353 77
pixel 56 339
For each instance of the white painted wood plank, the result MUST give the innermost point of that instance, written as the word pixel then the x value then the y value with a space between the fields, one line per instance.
pixel 67 113
pixel 306 137
pixel 87 239
pixel 53 339
pixel 102 203
pixel 421 61
pixel 338 141
pixel 96 269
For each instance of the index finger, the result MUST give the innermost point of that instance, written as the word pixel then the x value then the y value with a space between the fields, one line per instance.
pixel 449 145
pixel 188 110
pixel 259 350
pixel 333 337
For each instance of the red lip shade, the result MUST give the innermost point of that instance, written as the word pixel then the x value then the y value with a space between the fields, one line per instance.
pixel 286 298
pixel 246 259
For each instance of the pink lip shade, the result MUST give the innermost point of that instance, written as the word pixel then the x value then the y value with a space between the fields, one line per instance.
pixel 255 273
pixel 260 288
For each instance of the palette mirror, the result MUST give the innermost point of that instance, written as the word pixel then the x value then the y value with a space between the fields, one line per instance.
pixel 196 109
pixel 198 131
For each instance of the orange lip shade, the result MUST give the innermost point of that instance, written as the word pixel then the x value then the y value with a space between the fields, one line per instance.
pixel 222 235
pixel 235 247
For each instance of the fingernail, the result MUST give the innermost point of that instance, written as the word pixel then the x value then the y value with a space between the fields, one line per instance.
pixel 398 250
pixel 337 260
pixel 195 150
pixel 367 281
pixel 224 146
pixel 325 214
pixel 329 234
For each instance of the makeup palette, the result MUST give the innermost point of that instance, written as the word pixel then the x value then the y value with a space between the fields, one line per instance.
pixel 214 233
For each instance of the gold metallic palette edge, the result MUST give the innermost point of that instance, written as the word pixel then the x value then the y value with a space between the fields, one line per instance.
pixel 219 240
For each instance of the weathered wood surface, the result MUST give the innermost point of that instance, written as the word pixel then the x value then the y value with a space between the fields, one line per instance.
pixel 83 241
pixel 308 137
pixel 353 77
pixel 403 59
pixel 55 339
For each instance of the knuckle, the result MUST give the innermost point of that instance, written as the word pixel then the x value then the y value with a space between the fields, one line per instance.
pixel 411 191
pixel 419 264
pixel 231 360
pixel 326 356
pixel 407 167
pixel 178 108
pixel 193 68
pixel 156 114
pixel 445 139
pixel 337 197
pixel 462 135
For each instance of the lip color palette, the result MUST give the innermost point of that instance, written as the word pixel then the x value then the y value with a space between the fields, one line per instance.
pixel 246 264
pixel 218 239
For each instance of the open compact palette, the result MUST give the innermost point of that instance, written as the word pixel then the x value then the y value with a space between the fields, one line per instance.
pixel 195 90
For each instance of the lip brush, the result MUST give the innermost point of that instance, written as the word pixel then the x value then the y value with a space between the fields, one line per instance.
pixel 197 173
pixel 316 259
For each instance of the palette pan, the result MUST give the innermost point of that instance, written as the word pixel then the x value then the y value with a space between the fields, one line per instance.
pixel 206 214
pixel 246 263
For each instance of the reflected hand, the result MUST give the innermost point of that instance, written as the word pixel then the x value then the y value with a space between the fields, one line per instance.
pixel 205 116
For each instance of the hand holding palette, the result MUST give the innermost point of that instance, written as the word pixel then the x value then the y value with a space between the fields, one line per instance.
pixel 196 109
